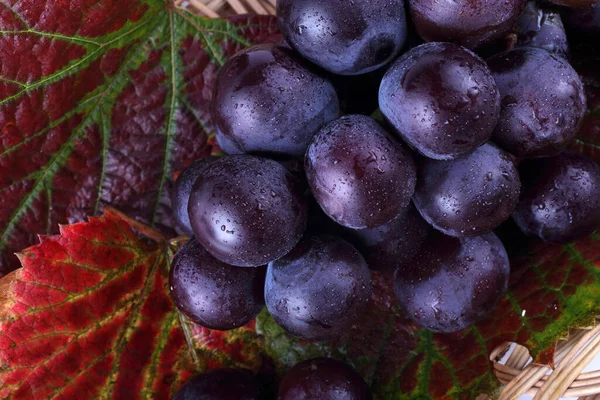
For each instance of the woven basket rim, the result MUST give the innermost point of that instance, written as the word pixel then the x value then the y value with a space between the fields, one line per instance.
pixel 517 372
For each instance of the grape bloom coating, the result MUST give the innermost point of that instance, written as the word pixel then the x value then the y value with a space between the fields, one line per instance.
pixel 269 100
pixel 359 174
pixel 324 379
pixel 343 39
pixel 543 102
pixel 453 282
pixel 320 289
pixel 180 196
pixel 469 23
pixel 471 195
pixel 247 211
pixel 561 198
pixel 441 99
pixel 214 294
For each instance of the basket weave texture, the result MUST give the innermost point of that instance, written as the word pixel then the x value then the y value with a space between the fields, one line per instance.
pixel 515 371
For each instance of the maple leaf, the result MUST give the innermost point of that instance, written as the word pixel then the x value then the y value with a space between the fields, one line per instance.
pixel 100 104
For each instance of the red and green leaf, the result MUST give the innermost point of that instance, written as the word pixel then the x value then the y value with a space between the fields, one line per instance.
pixel 90 313
pixel 100 104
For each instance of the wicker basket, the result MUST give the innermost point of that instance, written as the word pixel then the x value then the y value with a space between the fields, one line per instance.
pixel 515 371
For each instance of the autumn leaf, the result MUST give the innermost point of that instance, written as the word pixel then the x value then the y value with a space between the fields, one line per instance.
pixel 100 104
pixel 90 313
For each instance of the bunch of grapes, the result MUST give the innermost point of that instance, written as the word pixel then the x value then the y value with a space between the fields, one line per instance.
pixel 313 193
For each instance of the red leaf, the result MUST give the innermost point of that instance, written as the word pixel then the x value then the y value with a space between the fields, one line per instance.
pixel 100 104
pixel 90 313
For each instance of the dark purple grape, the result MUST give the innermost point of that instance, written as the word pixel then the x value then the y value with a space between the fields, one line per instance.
pixel 393 244
pixel 226 144
pixel 542 28
pixel 470 195
pixel 181 193
pixel 468 23
pixel 268 100
pixel 441 99
pixel 214 294
pixel 246 210
pixel 453 282
pixel 341 37
pixel 323 379
pixel 543 102
pixel 221 384
pixel 359 174
pixel 561 198
pixel 319 290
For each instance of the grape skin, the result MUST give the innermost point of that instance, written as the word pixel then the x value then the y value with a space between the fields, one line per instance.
pixel 453 282
pixel 323 379
pixel 543 102
pixel 441 99
pixel 469 23
pixel 318 290
pixel 468 196
pixel 542 28
pixel 344 38
pixel 268 100
pixel 246 210
pixel 221 384
pixel 214 294
pixel 394 244
pixel 561 198
pixel 358 173
pixel 180 195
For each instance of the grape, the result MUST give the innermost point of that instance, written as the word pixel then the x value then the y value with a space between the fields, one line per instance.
pixel 246 210
pixel 344 38
pixel 561 198
pixel 214 294
pixel 543 102
pixel 318 290
pixel 359 174
pixel 542 28
pixel 181 193
pixel 394 244
pixel 468 23
pixel 453 282
pixel 267 99
pixel 323 379
pixel 441 99
pixel 470 195
pixel 221 384
pixel 226 144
